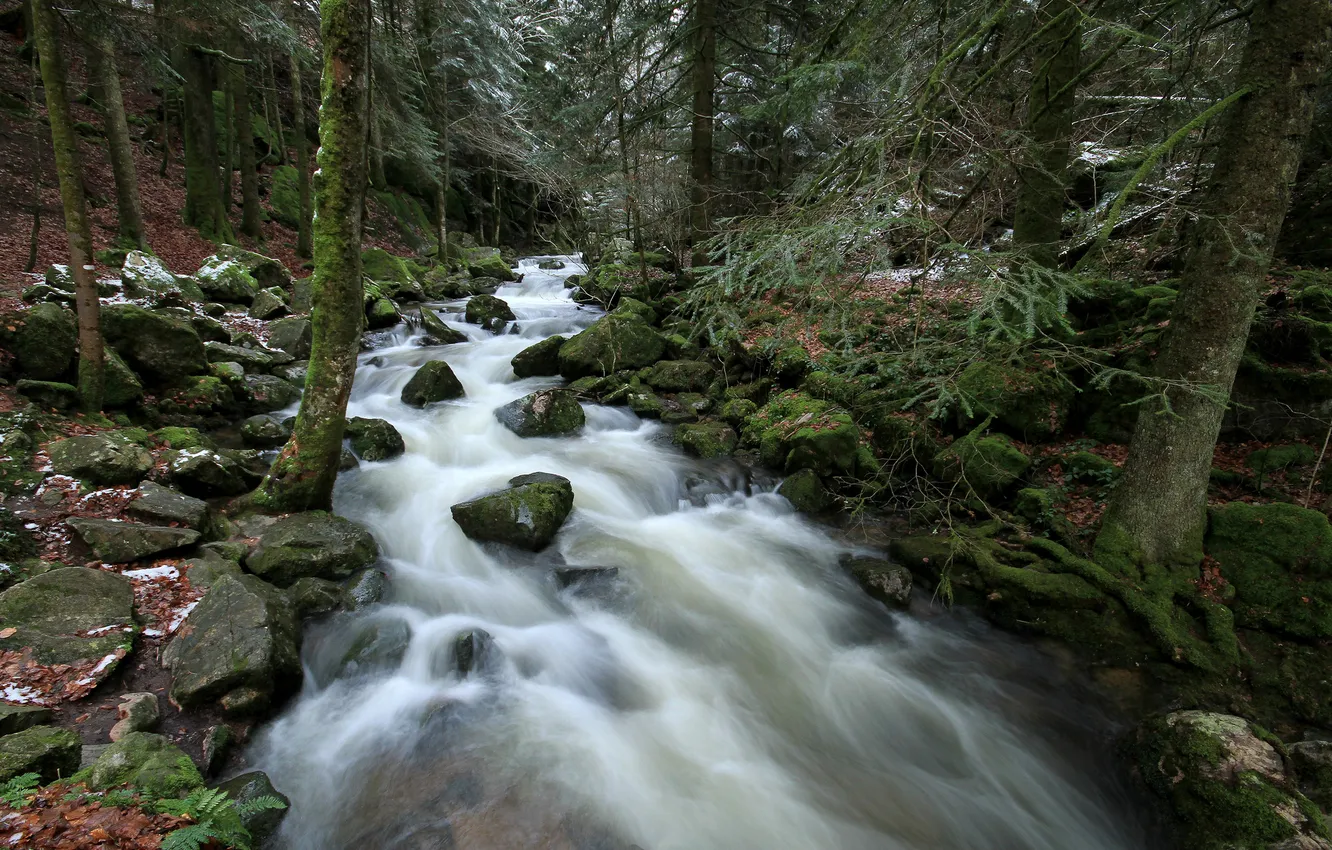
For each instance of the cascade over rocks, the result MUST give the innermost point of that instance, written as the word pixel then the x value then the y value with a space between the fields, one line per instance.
pixel 125 542
pixel 489 312
pixel 374 439
pixel 540 360
pixel 433 382
pixel 110 458
pixel 239 646
pixel 528 514
pixel 547 413
pixel 615 342
pixel 315 544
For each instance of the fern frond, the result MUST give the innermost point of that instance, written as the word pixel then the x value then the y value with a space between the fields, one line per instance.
pixel 190 837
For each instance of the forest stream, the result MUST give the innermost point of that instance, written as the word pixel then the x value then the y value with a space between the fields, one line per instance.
pixel 727 687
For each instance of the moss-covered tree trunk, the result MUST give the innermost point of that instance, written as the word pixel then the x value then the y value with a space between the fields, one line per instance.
pixel 77 227
pixel 129 222
pixel 703 81
pixel 303 247
pixel 302 476
pixel 1158 512
pixel 251 218
pixel 1038 221
pixel 203 189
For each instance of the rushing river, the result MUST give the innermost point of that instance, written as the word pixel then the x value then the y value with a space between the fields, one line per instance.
pixel 730 690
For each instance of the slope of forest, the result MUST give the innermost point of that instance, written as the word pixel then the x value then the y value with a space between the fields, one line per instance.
pixel 1028 300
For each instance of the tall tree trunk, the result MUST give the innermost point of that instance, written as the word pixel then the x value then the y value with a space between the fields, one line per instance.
pixel 495 199
pixel 251 218
pixel 700 138
pixel 35 234
pixel 229 136
pixel 121 149
pixel 302 158
pixel 64 140
pixel 1158 513
pixel 302 476
pixel 1038 222
pixel 277 112
pixel 376 147
pixel 203 188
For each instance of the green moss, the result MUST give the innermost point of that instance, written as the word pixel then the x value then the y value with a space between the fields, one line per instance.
pixel 379 265
pixel 1274 458
pixel 795 431
pixel 637 308
pixel 147 762
pixel 618 341
pixel 1090 468
pixel 181 439
pixel 990 465
pixel 806 493
pixel 382 314
pixel 706 439
pixel 284 196
pixel 1029 402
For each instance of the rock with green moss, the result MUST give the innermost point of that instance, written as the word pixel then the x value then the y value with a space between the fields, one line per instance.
pixel 122 388
pixel 148 762
pixel 794 431
pixel 178 438
pixel 706 439
pixel 1226 784
pixel 374 439
pixel 392 274
pixel 736 411
pixel 546 413
pixel 438 330
pixel 1315 301
pixel 1275 458
pixel 806 493
pixel 679 376
pixel 637 308
pixel 154 503
pixel 433 382
pixel 990 465
pixel 227 281
pixel 47 751
pixel 1030 403
pixel 883 580
pixel 239 646
pixel 125 542
pixel 540 360
pixel 313 543
pixel 248 787
pixel 266 271
pixel 50 395
pixel 291 335
pixel 381 313
pixel 159 347
pixel 1090 468
pixel 905 435
pixel 616 342
pixel 262 431
pixel 71 615
pixel 205 474
pixel 489 312
pixel 268 304
pixel 284 196
pixel 104 459
pixel 199 395
pixel 16 718
pixel 489 265
pixel 269 393
pixel 314 597
pixel 527 514
pixel 254 360
pixel 1312 762
pixel 1278 558
pixel 144 276
pixel 45 343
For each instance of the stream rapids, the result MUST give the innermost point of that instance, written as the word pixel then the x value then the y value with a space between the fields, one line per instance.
pixel 730 689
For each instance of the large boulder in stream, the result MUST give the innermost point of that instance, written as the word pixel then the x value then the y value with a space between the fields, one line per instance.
pixel 314 543
pixel 439 331
pixel 239 646
pixel 374 439
pixel 101 459
pixel 540 360
pixel 548 413
pixel 620 341
pixel 433 382
pixel 489 312
pixel 528 514
pixel 1225 784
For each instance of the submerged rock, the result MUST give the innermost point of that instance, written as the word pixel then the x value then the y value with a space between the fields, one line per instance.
pixel 540 360
pixel 47 751
pixel 489 312
pixel 567 577
pixel 474 652
pixel 374 439
pixel 548 413
pixel 110 458
pixel 528 514
pixel 433 382
pixel 124 542
pixel 315 544
pixel 239 646
pixel 620 341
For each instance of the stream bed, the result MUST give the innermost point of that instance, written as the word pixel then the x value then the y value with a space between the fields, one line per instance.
pixel 728 689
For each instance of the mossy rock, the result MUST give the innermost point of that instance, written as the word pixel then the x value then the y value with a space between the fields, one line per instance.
pixel 706 439
pixel 314 544
pixel 795 431
pixel 904 436
pixel 374 439
pixel 145 276
pixel 266 271
pixel 991 465
pixel 47 751
pixel 1275 458
pixel 1027 403
pixel 882 580
pixel 49 395
pixel 382 313
pixel 122 388
pixel 438 329
pixel 180 439
pixel 101 459
pixel 392 274
pixel 1224 783
pixel 679 376
pixel 292 335
pixel 1090 468
pixel 433 382
pixel 205 474
pixel 807 493
pixel 1278 557
pixel 227 281
pixel 284 196
pixel 45 342
pixel 1315 301
pixel 616 342
pixel 263 432
pixel 489 312
pixel 269 304
pixel 527 514
pixel 491 265
pixel 547 413
pixel 637 308
pixel 736 411
pixel 160 348
pixel 53 614
pixel 540 360
pixel 149 763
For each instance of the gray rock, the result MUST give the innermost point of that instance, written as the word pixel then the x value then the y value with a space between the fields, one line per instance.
pixel 162 505
pixel 433 382
pixel 205 474
pixel 379 645
pixel 264 432
pixel 124 542
pixel 883 580
pixel 239 646
pixel 268 304
pixel 291 335
pixel 311 544
pixel 489 312
pixel 293 373
pixel 71 615
pixel 547 413
pixel 52 395
pixel 90 753
pixel 314 597
pixel 254 360
pixel 540 360
pixel 251 786
pixel 374 439
pixel 475 653
pixel 45 344
pixel 152 764
pixel 137 713
pixel 47 751
pixel 440 332
pixel 16 718
pixel 528 514
pixel 102 459
pixel 567 577
pixel 145 276
pixel 216 747
pixel 158 347
pixel 268 393
pixel 365 588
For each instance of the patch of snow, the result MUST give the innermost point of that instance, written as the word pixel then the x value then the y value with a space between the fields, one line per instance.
pixel 164 571
pixel 19 694
pixel 181 615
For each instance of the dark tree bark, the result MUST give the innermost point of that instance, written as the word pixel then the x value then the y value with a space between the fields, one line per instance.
pixel 1158 513
pixel 203 190
pixel 277 113
pixel 129 219
pixel 1038 222
pixel 64 140
pixel 303 248
pixel 703 80
pixel 251 217
pixel 302 477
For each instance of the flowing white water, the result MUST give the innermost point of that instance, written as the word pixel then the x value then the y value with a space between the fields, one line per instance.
pixel 729 690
